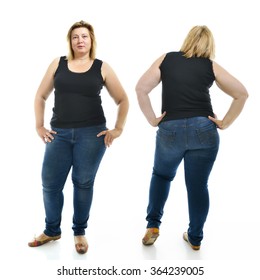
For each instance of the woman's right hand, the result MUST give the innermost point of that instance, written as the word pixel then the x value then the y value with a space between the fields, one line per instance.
pixel 156 121
pixel 219 123
pixel 45 134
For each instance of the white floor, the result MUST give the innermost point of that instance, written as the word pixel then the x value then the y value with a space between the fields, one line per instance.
pixel 117 242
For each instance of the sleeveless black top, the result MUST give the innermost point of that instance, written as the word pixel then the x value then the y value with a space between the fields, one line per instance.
pixel 77 100
pixel 185 86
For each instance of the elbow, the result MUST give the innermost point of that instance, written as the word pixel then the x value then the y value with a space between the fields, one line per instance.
pixel 140 88
pixel 244 95
pixel 123 101
pixel 140 92
pixel 39 99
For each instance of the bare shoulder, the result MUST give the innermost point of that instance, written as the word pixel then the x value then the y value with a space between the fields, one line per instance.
pixel 54 65
pixel 54 62
pixel 159 61
pixel 216 67
pixel 219 70
pixel 107 70
pixel 106 67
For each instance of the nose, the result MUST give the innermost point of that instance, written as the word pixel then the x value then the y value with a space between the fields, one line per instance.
pixel 80 39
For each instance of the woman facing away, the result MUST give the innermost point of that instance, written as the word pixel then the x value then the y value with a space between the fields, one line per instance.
pixel 78 136
pixel 187 127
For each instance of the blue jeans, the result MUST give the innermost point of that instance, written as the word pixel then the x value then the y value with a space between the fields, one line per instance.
pixel 196 142
pixel 78 149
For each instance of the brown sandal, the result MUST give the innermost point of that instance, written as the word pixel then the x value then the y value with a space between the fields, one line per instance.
pixel 81 244
pixel 186 238
pixel 150 236
pixel 42 239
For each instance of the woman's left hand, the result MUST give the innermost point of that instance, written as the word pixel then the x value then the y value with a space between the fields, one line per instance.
pixel 110 135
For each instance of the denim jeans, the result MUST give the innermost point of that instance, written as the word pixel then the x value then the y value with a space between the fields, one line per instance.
pixel 79 150
pixel 196 142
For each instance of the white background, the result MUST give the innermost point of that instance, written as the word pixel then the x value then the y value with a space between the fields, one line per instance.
pixel 130 36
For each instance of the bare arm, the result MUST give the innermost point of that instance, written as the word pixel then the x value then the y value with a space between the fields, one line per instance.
pixel 234 88
pixel 150 79
pixel 118 94
pixel 42 94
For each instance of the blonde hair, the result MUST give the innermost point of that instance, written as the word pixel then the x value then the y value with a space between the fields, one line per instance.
pixel 90 28
pixel 199 43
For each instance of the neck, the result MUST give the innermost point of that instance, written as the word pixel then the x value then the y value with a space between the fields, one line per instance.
pixel 85 58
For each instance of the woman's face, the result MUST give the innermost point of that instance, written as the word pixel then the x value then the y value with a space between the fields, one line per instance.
pixel 80 40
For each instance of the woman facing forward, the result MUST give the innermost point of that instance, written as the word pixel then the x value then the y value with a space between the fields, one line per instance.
pixel 78 136
pixel 187 127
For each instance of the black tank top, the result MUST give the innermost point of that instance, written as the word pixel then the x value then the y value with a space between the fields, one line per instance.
pixel 77 100
pixel 185 86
